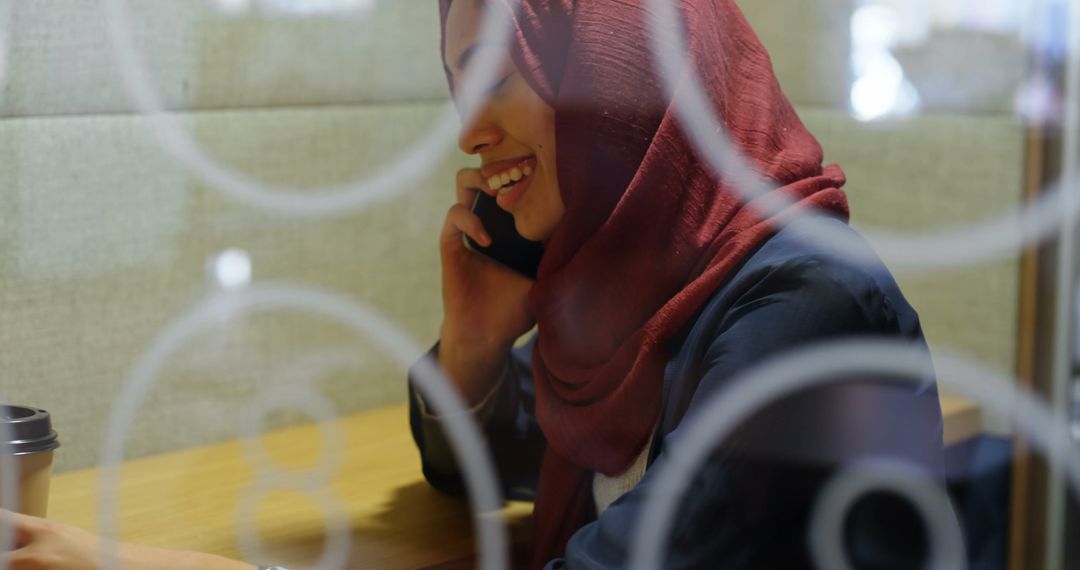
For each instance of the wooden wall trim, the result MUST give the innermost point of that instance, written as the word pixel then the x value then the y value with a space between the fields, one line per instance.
pixel 1021 547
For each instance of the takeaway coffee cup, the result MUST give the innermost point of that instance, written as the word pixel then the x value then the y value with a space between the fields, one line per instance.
pixel 27 440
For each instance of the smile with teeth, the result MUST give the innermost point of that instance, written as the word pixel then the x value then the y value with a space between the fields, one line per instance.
pixel 506 180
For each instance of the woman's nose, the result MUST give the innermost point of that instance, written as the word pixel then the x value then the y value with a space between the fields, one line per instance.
pixel 478 135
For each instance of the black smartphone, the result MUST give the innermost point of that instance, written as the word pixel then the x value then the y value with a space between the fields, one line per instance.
pixel 508 247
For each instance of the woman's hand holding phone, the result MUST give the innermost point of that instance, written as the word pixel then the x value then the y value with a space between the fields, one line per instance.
pixel 485 305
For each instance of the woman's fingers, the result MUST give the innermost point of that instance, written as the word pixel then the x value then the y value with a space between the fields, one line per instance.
pixel 461 220
pixel 24 527
pixel 469 182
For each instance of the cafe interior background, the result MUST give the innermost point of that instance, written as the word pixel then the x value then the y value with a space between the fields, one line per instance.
pixel 161 156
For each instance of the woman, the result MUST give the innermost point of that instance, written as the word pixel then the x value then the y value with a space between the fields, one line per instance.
pixel 657 285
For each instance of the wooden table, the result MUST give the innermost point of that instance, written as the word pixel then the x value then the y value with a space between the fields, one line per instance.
pixel 963 419
pixel 188 499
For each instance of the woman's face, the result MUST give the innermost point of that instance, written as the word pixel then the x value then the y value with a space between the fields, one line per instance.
pixel 513 132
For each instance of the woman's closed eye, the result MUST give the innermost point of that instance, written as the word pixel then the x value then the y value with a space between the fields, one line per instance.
pixel 489 93
pixel 494 89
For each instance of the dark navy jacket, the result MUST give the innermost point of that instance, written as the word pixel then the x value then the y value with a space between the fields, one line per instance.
pixel 746 508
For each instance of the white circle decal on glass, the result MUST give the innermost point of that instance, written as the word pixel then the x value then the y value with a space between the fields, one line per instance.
pixel 462 432
pixel 389 182
pixel 827 364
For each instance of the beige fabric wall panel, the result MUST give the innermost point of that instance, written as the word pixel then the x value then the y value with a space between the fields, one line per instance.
pixel 812 64
pixel 953 69
pixel 105 242
pixel 61 59
pixel 938 172
pixel 929 172
pixel 202 56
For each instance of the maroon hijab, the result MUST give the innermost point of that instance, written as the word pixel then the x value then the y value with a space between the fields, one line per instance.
pixel 649 234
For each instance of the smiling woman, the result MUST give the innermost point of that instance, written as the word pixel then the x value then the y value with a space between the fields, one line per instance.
pixel 657 285
pixel 514 130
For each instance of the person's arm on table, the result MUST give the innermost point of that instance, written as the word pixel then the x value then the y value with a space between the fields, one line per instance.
pixel 505 416
pixel 41 544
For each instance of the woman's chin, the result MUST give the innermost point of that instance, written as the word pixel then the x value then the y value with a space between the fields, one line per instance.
pixel 536 221
pixel 525 231
pixel 530 231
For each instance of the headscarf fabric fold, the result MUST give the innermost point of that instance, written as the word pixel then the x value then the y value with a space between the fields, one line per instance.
pixel 649 232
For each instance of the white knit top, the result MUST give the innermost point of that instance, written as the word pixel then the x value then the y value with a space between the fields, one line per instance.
pixel 606 489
